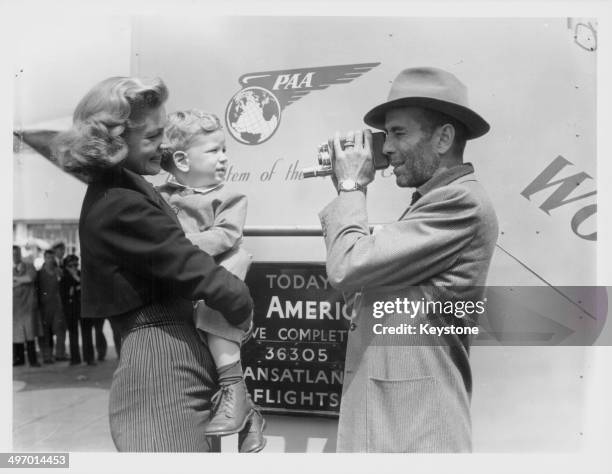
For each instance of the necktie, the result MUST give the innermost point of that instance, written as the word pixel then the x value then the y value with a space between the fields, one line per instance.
pixel 415 197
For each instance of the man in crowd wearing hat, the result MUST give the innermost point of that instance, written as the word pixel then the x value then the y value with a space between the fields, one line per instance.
pixel 53 320
pixel 410 393
pixel 59 250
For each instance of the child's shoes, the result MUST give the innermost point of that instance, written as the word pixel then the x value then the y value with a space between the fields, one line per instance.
pixel 251 438
pixel 232 410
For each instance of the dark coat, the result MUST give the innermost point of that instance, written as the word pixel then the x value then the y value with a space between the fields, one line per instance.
pixel 49 299
pixel 134 253
pixel 70 291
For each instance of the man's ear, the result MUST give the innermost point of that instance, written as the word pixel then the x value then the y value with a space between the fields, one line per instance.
pixel 181 161
pixel 445 136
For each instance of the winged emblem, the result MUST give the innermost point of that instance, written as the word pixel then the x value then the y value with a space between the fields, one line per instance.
pixel 290 85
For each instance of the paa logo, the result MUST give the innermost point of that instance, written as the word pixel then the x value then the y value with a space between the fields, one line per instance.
pixel 254 113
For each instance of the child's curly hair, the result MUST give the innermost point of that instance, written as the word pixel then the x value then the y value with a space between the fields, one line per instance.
pixel 96 140
pixel 183 128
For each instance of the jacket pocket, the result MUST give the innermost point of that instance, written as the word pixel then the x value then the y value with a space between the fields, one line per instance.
pixel 405 415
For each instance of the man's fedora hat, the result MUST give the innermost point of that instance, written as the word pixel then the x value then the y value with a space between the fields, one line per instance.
pixel 433 89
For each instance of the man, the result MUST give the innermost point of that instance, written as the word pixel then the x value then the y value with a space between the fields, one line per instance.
pixel 97 326
pixel 59 250
pixel 52 311
pixel 410 394
pixel 70 292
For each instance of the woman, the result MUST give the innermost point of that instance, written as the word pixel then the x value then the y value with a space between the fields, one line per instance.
pixel 26 323
pixel 139 270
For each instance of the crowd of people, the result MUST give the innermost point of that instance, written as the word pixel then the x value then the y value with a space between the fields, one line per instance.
pixel 47 307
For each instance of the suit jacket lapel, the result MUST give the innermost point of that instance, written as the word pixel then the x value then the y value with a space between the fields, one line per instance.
pixel 446 177
pixel 415 197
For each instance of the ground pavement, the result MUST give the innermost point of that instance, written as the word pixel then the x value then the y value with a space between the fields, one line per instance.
pixel 526 399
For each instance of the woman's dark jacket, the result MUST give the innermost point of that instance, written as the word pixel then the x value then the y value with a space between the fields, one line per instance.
pixel 134 252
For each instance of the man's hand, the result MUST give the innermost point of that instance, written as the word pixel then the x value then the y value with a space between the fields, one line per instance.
pixel 355 160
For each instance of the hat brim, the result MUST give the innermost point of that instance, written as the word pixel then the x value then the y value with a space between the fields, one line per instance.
pixel 476 126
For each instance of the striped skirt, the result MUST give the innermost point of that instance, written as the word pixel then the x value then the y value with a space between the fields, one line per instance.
pixel 161 390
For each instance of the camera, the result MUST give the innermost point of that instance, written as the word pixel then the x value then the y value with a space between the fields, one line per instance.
pixel 325 163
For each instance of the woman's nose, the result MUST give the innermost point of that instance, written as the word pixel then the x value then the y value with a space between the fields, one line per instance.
pixel 223 157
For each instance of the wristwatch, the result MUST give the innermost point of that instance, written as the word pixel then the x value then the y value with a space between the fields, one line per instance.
pixel 348 185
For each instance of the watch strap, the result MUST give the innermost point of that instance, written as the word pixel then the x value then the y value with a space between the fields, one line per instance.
pixel 355 187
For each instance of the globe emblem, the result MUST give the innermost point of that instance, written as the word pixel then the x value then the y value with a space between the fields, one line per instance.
pixel 252 115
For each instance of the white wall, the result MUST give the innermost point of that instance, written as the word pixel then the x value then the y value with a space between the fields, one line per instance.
pixel 56 62
pixel 58 59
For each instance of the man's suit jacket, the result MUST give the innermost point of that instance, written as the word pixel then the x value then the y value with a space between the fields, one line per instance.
pixel 134 252
pixel 409 395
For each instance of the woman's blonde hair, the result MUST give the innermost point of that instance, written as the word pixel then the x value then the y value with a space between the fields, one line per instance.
pixel 96 140
pixel 183 128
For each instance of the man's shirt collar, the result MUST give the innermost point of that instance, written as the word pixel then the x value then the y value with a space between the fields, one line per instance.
pixel 446 177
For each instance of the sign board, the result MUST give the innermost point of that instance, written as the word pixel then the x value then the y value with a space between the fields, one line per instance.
pixel 295 361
